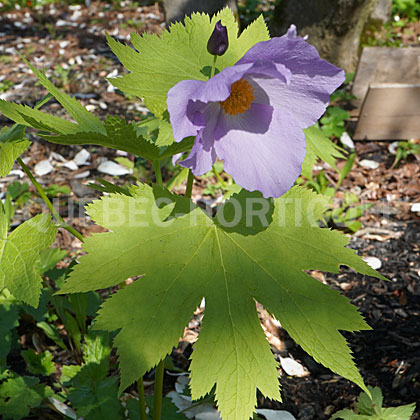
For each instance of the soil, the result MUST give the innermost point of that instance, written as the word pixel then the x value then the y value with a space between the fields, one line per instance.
pixel 70 41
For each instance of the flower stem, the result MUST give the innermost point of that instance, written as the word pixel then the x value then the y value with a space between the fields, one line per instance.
pixel 142 399
pixel 219 177
pixel 47 201
pixel 160 370
pixel 190 182
pixel 158 173
pixel 213 68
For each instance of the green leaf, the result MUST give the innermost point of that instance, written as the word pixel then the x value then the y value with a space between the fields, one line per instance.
pixel 349 415
pixel 51 331
pixel 49 258
pixel 176 148
pixel 86 120
pixel 39 363
pixel 165 136
pixel 68 373
pixel 97 400
pixel 10 149
pixel 368 405
pixel 332 123
pixel 189 257
pixel 178 54
pixel 346 169
pixel 403 412
pixel 19 256
pixel 118 135
pixel 319 146
pixel 96 351
pixel 169 410
pixel 371 408
pixel 26 116
pixel 41 312
pixel 18 395
pixel 9 319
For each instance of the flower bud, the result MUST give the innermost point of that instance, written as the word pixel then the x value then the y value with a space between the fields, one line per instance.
pixel 218 41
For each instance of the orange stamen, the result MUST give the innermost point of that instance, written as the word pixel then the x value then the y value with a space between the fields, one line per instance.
pixel 240 98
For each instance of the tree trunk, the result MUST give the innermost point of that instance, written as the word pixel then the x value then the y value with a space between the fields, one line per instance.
pixel 175 10
pixel 334 27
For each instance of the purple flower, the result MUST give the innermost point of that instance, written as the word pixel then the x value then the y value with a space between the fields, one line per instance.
pixel 251 115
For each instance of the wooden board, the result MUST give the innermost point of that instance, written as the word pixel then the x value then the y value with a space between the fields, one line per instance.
pixel 390 111
pixel 385 65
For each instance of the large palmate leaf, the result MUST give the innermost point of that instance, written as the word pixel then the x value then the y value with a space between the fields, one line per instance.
pixel 27 116
pixel 231 263
pixel 115 133
pixel 86 120
pixel 19 256
pixel 118 135
pixel 319 146
pixel 12 145
pixel 178 54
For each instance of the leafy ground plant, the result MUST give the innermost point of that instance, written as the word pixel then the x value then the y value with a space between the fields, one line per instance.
pixel 369 407
pixel 213 94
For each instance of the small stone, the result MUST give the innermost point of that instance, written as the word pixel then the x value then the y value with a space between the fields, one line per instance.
pixel 373 262
pixel 392 148
pixel 415 208
pixel 293 368
pixel 369 164
pixel 346 140
pixel 71 164
pixel 345 286
pixel 275 414
pixel 83 174
pixel 82 157
pixel 43 167
pixel 401 313
pixel 112 168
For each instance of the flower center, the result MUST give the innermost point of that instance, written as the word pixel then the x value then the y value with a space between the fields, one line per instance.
pixel 240 98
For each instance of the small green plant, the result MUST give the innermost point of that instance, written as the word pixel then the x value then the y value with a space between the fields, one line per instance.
pixel 333 121
pixel 348 215
pixel 249 10
pixel 5 85
pixel 409 9
pixel 5 59
pixel 370 408
pixel 63 76
pixel 19 193
pixel 405 149
pixel 55 190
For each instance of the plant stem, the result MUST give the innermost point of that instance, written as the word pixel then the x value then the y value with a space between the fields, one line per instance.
pixel 213 67
pixel 190 182
pixel 47 201
pixel 160 370
pixel 158 173
pixel 219 177
pixel 142 400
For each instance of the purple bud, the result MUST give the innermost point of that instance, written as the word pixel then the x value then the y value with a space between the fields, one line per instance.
pixel 218 41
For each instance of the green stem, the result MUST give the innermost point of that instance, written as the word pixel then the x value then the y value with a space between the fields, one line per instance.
pixel 142 399
pixel 190 182
pixel 158 173
pixel 213 68
pixel 219 177
pixel 47 201
pixel 160 370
